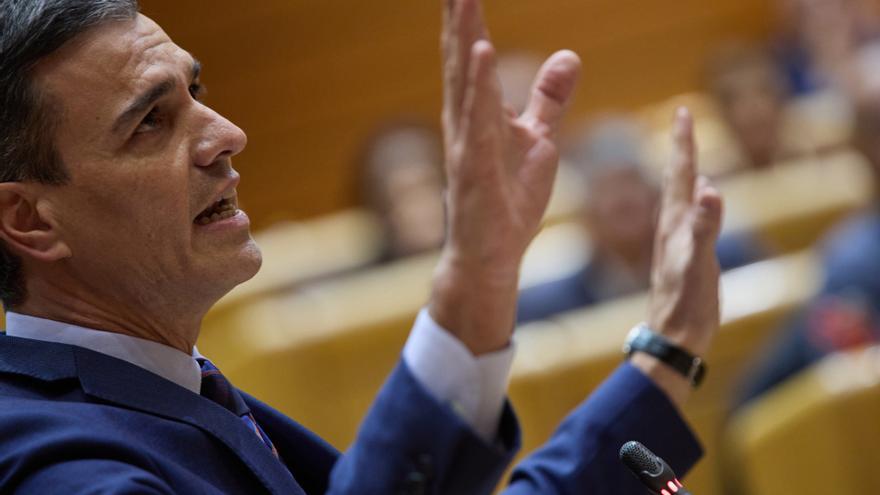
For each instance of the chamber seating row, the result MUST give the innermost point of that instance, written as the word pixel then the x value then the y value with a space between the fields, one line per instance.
pixel 320 350
pixel 321 357
pixel 788 205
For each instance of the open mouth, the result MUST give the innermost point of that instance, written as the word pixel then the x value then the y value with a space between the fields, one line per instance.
pixel 221 210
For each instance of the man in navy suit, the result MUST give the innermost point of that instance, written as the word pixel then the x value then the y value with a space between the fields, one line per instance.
pixel 120 228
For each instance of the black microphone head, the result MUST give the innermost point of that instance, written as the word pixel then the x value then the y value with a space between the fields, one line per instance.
pixel 651 470
pixel 639 459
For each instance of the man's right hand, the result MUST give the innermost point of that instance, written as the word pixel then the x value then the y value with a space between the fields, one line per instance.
pixel 684 304
pixel 500 169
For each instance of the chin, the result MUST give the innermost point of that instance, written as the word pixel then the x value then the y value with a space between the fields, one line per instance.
pixel 247 263
pixel 230 269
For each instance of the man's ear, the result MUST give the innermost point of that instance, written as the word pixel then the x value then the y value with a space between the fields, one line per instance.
pixel 25 225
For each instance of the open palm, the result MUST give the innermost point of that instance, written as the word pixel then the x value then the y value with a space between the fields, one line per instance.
pixel 500 165
pixel 500 169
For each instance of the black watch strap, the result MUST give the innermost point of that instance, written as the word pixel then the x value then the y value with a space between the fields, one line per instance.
pixel 643 339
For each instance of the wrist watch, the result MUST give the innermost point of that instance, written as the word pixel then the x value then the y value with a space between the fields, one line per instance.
pixel 643 339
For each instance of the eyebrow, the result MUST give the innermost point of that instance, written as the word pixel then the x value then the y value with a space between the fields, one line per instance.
pixel 151 96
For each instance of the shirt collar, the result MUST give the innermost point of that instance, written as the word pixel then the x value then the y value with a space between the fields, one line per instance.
pixel 160 359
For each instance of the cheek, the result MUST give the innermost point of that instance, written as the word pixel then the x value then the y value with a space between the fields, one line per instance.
pixel 139 215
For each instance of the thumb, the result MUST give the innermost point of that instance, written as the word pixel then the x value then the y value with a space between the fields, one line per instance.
pixel 553 88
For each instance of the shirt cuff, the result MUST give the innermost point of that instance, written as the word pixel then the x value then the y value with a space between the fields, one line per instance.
pixel 475 387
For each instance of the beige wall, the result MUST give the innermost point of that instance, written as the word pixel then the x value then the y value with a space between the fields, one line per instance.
pixel 307 79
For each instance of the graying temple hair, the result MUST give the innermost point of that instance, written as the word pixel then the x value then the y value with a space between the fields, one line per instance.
pixel 29 31
pixel 611 143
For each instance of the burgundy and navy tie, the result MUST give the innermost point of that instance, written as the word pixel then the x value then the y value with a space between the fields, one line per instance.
pixel 217 388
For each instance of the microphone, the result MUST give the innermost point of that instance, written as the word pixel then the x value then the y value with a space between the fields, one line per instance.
pixel 651 470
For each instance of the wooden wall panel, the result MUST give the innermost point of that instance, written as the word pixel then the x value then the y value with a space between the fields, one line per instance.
pixel 308 79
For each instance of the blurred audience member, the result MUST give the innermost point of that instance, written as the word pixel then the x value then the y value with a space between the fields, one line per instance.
pixel 846 312
pixel 752 96
pixel 620 200
pixel 402 167
pixel 818 37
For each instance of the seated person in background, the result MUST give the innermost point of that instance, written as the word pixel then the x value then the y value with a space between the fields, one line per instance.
pixel 817 37
pixel 619 210
pixel 401 169
pixel 402 180
pixel 846 312
pixel 752 96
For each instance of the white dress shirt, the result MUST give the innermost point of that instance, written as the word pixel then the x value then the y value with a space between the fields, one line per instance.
pixel 474 387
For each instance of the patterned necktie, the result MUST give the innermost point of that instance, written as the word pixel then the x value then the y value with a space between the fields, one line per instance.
pixel 217 388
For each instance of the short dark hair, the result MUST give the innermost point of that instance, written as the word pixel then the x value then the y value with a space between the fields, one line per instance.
pixel 29 31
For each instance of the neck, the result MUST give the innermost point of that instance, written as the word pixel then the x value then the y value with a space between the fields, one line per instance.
pixel 82 308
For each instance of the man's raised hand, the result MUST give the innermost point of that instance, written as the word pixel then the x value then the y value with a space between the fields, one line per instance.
pixel 684 304
pixel 684 280
pixel 500 169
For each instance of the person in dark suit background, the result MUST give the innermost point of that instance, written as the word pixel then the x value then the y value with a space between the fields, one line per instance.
pixel 845 314
pixel 120 228
pixel 815 39
pixel 618 214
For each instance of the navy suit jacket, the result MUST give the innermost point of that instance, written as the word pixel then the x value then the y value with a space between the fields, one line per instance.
pixel 73 421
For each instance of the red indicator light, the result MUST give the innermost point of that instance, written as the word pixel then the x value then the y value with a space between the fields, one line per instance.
pixel 672 487
pixel 665 492
pixel 678 483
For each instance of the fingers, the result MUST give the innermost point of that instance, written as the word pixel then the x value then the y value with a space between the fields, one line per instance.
pixel 681 173
pixel 553 89
pixel 463 26
pixel 451 60
pixel 483 107
pixel 709 212
pixel 684 191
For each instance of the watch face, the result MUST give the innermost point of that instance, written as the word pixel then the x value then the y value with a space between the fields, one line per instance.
pixel 630 338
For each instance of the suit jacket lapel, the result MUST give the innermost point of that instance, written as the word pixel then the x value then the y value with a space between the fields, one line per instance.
pixel 126 385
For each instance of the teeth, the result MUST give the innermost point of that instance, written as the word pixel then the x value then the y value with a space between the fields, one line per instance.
pixel 221 210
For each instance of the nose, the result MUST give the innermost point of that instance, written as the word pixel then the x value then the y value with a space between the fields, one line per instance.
pixel 218 138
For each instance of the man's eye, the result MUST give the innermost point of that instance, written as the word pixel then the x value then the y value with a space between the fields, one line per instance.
pixel 197 91
pixel 150 122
